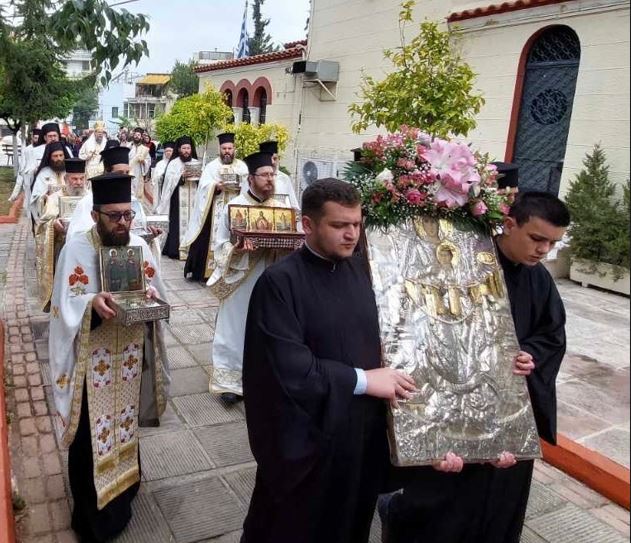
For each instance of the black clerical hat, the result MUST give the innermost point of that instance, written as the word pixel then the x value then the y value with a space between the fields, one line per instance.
pixel 270 147
pixel 111 188
pixel 75 165
pixel 169 145
pixel 508 174
pixel 115 155
pixel 183 140
pixel 357 154
pixel 258 160
pixel 55 146
pixel 50 127
pixel 111 143
pixel 138 129
pixel 226 137
pixel 37 131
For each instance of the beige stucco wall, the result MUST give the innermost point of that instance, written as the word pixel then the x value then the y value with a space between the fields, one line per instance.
pixel 355 32
pixel 285 102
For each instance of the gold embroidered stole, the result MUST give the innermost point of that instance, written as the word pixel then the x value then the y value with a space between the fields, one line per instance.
pixel 113 375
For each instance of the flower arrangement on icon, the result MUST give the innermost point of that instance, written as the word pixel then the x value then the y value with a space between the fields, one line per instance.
pixel 149 270
pixel 77 281
pixel 408 173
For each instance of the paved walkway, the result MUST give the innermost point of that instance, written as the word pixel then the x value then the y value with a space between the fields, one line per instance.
pixel 198 472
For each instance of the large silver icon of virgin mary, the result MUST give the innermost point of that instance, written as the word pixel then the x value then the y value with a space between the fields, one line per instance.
pixel 445 319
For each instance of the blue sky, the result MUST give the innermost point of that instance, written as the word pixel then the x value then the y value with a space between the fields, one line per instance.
pixel 179 28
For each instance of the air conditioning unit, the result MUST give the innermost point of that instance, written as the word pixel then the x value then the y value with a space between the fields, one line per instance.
pixel 327 71
pixel 311 169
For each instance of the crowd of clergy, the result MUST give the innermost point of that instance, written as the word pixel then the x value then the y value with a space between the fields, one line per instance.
pixel 296 338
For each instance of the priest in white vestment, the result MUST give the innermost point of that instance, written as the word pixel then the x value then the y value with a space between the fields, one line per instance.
pixel 91 150
pixel 238 268
pixel 139 164
pixel 108 379
pixel 157 173
pixel 50 230
pixel 23 180
pixel 178 194
pixel 49 177
pixel 221 181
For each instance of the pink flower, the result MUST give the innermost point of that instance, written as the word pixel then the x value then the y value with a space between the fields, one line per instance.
pixel 414 197
pixel 504 208
pixel 479 208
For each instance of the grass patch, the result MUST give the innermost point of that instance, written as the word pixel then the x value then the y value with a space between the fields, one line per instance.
pixel 7 182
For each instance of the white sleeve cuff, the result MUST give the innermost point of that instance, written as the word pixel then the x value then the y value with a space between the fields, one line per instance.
pixel 362 382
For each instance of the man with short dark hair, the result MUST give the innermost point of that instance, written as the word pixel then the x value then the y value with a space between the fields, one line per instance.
pixel 484 504
pixel 313 384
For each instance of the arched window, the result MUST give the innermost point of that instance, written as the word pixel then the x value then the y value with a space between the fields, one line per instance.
pixel 244 103
pixel 547 84
pixel 228 97
pixel 260 101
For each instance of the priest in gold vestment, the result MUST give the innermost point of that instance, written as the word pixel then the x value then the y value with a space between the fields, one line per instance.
pixel 50 229
pixel 108 379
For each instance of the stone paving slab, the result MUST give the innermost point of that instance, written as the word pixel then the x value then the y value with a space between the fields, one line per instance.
pixel 226 444
pixel 147 523
pixel 570 525
pixel 172 454
pixel 205 409
pixel 203 509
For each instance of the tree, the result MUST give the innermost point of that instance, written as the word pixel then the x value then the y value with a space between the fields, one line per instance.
pixel 261 42
pixel 600 221
pixel 248 137
pixel 184 80
pixel 86 104
pixel 431 88
pixel 197 116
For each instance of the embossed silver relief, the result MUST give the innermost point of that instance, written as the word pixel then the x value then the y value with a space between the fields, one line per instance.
pixel 445 319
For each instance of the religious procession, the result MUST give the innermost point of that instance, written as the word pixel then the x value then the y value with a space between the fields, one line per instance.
pixel 250 315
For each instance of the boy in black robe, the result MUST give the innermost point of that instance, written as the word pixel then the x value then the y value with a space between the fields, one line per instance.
pixel 313 384
pixel 484 504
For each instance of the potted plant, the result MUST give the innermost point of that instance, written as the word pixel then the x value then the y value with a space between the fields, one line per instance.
pixel 599 232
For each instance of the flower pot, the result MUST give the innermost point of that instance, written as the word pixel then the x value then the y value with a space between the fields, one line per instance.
pixel 559 267
pixel 598 274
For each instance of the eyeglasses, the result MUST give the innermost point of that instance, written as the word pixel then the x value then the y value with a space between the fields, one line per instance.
pixel 116 216
pixel 265 175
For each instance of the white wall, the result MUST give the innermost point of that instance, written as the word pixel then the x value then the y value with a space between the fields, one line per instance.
pixel 355 32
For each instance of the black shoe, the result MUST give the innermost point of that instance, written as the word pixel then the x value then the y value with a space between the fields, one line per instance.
pixel 230 398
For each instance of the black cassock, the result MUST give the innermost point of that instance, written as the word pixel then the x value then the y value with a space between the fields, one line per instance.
pixel 322 452
pixel 484 504
pixel 198 252
pixel 172 244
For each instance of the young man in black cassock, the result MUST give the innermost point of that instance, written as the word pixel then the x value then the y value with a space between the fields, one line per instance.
pixel 314 389
pixel 482 503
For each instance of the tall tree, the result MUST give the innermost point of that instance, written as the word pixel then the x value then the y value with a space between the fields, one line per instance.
pixel 261 41
pixel 184 80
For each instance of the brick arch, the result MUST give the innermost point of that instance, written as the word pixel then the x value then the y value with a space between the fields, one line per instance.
pixel 229 87
pixel 262 83
pixel 243 85
pixel 511 139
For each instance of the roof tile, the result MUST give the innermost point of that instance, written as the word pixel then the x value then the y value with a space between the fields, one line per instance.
pixel 504 7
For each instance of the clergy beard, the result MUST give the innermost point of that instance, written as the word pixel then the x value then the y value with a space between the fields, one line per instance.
pixel 113 238
pixel 57 165
pixel 75 191
pixel 186 158
pixel 227 158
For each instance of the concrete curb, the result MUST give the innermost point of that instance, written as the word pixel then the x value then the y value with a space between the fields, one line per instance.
pixel 595 470
pixel 7 521
pixel 14 213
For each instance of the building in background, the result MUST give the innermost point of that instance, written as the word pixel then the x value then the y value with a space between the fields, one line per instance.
pixel 151 98
pixel 77 63
pixel 209 57
pixel 554 73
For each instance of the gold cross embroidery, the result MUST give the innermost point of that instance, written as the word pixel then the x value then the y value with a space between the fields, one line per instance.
pixel 55 311
pixel 62 381
pixel 130 362
pixel 105 433
pixel 101 367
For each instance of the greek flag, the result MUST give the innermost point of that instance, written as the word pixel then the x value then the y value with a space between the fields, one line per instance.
pixel 242 50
